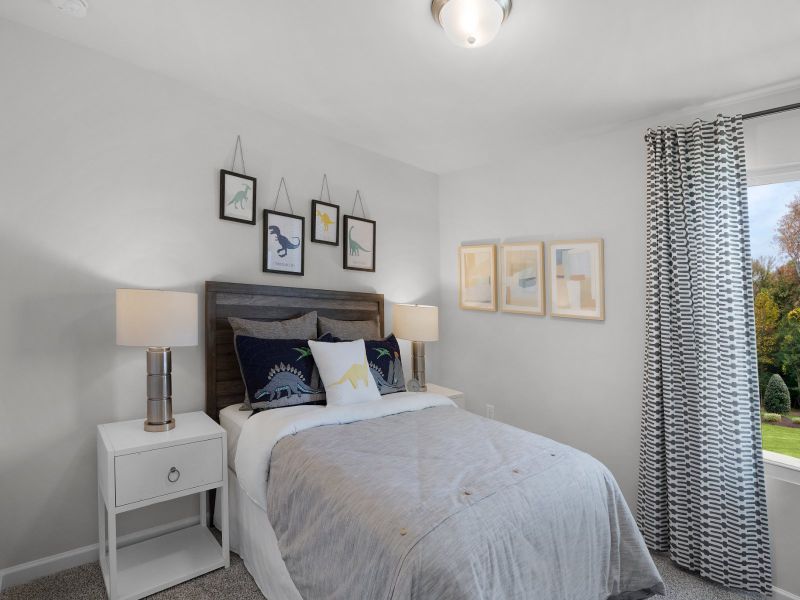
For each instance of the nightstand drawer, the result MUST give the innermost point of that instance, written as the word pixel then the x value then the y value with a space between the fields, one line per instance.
pixel 154 473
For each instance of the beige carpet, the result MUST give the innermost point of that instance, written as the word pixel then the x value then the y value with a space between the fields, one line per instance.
pixel 86 583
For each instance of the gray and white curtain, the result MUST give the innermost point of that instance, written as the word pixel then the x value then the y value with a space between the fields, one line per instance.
pixel 701 475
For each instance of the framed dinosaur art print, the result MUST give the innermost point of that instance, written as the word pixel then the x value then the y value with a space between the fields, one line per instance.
pixel 284 243
pixel 324 223
pixel 237 197
pixel 359 243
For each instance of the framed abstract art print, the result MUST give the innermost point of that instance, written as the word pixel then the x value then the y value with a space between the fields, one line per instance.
pixel 522 278
pixel 576 279
pixel 477 289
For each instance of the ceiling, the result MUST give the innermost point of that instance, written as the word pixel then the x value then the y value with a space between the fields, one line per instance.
pixel 380 74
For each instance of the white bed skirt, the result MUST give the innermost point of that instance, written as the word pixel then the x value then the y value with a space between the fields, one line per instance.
pixel 252 538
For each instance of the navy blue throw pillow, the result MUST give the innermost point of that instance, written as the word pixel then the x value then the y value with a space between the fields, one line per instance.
pixel 385 365
pixel 278 372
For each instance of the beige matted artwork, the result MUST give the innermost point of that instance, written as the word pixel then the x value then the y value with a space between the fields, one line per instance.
pixel 522 278
pixel 477 289
pixel 576 279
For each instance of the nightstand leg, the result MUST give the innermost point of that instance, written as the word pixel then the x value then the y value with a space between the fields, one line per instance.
pixel 101 527
pixel 204 509
pixel 112 555
pixel 225 523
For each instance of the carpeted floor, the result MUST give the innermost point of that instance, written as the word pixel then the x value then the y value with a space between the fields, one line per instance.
pixel 86 583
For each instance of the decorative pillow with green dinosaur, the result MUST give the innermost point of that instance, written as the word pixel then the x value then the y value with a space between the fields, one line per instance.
pixel 278 373
pixel 385 365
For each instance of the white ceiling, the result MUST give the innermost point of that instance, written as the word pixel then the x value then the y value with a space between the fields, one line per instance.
pixel 380 74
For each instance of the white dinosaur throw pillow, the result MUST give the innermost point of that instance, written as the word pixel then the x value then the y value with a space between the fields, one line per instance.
pixel 344 371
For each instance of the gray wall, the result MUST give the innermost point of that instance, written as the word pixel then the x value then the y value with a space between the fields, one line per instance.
pixel 578 382
pixel 110 178
pixel 558 377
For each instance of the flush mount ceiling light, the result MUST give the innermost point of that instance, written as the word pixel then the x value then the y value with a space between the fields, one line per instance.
pixel 73 8
pixel 471 23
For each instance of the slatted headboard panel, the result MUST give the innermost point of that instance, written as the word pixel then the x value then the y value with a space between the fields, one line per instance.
pixel 224 384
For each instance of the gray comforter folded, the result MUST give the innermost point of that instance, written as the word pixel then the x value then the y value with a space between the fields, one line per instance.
pixel 443 504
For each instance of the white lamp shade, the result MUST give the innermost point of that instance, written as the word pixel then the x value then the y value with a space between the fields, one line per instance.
pixel 471 23
pixel 416 322
pixel 152 318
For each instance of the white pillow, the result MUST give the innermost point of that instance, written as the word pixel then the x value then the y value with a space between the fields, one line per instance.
pixel 344 371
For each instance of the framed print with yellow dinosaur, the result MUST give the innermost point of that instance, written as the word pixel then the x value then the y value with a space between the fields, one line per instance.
pixel 359 243
pixel 237 197
pixel 284 242
pixel 324 223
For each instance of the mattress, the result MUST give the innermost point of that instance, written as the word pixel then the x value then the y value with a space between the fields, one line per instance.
pixel 232 420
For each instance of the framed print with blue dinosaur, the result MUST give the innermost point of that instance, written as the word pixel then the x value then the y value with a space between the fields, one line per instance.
pixel 237 197
pixel 324 223
pixel 284 243
pixel 359 243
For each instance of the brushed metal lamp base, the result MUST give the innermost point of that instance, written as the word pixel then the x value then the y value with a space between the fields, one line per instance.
pixel 418 366
pixel 159 426
pixel 159 390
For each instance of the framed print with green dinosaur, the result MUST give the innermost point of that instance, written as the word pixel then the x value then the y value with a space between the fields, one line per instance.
pixel 284 242
pixel 324 223
pixel 359 243
pixel 237 197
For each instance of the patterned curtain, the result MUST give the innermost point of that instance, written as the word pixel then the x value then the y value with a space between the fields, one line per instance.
pixel 701 475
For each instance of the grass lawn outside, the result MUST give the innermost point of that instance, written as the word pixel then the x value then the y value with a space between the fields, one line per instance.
pixel 784 440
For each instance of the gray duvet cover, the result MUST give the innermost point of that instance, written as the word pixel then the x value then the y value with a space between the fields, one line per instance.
pixel 443 504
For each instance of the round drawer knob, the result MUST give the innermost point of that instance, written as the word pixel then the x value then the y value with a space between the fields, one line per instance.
pixel 173 475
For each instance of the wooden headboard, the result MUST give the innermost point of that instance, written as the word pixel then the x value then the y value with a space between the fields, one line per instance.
pixel 224 385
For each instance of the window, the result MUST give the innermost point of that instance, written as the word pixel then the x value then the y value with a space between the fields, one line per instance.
pixel 775 246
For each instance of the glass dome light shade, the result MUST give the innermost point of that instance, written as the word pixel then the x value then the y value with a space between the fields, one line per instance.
pixel 471 23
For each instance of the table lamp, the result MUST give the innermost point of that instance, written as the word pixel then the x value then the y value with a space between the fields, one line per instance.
pixel 419 324
pixel 157 320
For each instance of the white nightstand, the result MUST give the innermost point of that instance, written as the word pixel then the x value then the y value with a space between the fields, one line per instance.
pixel 454 395
pixel 136 468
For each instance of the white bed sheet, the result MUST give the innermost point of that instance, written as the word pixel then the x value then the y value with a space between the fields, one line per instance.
pixel 252 538
pixel 232 420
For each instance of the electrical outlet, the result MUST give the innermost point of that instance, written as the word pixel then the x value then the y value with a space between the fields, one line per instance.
pixel 490 411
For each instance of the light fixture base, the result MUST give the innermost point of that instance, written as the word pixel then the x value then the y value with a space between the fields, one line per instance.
pixel 438 5
pixel 73 8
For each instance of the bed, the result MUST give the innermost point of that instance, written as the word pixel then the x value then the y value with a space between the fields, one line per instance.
pixel 409 497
